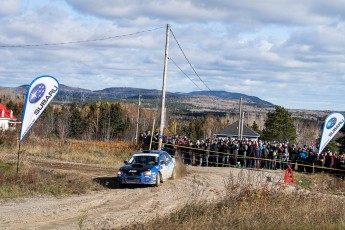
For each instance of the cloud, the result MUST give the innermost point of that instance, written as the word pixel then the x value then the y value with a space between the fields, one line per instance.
pixel 287 12
pixel 291 53
pixel 10 7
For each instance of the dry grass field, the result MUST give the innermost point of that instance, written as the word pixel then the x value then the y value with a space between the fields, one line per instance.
pixel 40 173
pixel 251 204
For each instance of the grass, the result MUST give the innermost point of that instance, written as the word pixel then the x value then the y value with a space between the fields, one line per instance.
pixel 304 181
pixel 251 204
pixel 33 181
pixel 106 153
pixel 321 182
pixel 5 167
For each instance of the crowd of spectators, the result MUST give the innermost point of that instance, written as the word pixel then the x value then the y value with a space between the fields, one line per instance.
pixel 225 152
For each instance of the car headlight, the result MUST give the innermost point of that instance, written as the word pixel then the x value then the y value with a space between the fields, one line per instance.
pixel 119 173
pixel 148 173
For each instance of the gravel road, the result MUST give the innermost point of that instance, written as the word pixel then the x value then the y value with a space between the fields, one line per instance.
pixel 112 207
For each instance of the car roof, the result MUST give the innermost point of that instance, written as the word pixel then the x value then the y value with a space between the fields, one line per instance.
pixel 157 152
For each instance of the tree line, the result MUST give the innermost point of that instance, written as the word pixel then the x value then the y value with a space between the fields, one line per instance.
pixel 107 121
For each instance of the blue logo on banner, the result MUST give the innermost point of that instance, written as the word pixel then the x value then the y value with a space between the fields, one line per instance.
pixel 331 123
pixel 37 93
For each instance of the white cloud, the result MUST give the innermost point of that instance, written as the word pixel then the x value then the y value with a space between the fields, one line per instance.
pixel 10 8
pixel 291 53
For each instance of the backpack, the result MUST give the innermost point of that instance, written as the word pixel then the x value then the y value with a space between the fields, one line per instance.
pixel 303 155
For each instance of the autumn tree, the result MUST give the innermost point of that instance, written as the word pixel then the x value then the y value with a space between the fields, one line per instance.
pixel 62 122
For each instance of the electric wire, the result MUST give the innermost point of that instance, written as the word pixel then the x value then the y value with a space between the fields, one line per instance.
pixel 80 41
pixel 189 61
pixel 184 73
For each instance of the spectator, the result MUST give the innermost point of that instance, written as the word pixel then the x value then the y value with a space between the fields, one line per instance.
pixel 265 155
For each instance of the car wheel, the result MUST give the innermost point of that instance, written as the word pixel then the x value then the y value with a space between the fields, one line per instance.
pixel 122 185
pixel 158 179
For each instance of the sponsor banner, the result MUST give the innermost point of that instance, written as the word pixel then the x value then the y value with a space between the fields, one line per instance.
pixel 40 93
pixel 333 123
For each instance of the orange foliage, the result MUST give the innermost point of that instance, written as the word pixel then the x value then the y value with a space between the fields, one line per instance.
pixel 101 144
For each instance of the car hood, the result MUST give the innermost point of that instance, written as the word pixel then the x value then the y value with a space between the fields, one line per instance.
pixel 138 167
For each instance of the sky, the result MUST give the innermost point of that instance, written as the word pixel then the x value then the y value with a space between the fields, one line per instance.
pixel 288 52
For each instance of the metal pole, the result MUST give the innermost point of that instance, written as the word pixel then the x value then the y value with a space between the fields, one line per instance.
pixel 161 128
pixel 137 128
pixel 18 160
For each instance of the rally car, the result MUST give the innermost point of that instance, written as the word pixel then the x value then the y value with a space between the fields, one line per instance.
pixel 147 167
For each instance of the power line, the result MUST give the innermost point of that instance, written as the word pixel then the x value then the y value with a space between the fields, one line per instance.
pixel 81 41
pixel 189 61
pixel 184 73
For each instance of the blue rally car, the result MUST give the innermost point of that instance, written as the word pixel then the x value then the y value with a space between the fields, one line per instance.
pixel 147 167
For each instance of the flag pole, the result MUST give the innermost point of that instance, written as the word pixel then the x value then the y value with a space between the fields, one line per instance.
pixel 18 159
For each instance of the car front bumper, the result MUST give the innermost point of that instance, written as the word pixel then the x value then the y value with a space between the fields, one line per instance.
pixel 125 179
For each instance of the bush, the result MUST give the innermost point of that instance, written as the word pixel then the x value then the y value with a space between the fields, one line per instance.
pixel 252 204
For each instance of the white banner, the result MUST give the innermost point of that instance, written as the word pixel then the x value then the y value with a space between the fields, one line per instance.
pixel 40 93
pixel 333 123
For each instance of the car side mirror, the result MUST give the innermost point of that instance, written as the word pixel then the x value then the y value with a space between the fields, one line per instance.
pixel 163 162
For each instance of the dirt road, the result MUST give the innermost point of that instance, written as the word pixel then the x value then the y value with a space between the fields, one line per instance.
pixel 113 207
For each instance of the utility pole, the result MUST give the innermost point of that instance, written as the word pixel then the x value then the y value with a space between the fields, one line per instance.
pixel 153 129
pixel 161 128
pixel 242 125
pixel 137 128
pixel 239 136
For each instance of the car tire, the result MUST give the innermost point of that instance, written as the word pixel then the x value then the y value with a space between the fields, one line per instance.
pixel 158 179
pixel 122 185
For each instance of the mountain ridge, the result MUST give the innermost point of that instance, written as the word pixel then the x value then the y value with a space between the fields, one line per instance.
pixel 115 93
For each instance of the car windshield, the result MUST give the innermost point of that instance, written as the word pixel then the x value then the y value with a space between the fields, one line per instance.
pixel 144 159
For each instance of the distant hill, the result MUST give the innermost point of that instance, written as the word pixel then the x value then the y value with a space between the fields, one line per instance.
pixel 129 93
pixel 68 93
pixel 229 95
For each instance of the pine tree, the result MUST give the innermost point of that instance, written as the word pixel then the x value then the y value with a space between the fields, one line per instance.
pixel 255 127
pixel 279 126
pixel 77 124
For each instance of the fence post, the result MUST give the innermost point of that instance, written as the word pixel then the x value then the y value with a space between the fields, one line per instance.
pixel 313 167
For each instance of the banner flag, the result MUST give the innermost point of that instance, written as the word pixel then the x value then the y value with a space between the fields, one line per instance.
pixel 333 123
pixel 40 93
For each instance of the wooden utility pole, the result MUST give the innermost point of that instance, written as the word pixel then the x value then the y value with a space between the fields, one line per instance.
pixel 153 129
pixel 137 127
pixel 161 128
pixel 239 121
pixel 242 125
